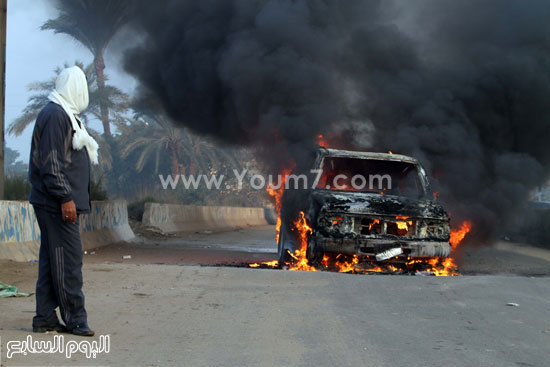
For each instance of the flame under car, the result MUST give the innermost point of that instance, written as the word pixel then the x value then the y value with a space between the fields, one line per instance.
pixel 389 214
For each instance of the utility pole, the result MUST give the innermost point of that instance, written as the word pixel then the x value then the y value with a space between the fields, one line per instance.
pixel 3 18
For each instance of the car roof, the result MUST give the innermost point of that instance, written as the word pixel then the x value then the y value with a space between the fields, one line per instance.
pixel 367 155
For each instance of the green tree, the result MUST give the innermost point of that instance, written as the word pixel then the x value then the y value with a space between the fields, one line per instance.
pixel 16 185
pixel 13 165
pixel 93 23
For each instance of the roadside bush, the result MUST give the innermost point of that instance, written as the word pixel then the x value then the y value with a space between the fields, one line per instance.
pixel 97 192
pixel 16 188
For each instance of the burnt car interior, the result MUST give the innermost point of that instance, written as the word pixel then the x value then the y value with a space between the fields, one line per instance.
pixel 404 180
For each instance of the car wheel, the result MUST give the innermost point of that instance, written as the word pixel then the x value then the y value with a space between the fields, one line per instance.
pixel 311 253
pixel 286 244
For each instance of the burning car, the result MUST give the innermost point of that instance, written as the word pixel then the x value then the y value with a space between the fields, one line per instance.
pixel 371 205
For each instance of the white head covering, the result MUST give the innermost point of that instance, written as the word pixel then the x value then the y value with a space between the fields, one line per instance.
pixel 71 93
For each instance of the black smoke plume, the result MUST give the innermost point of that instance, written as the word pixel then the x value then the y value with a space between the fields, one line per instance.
pixel 462 85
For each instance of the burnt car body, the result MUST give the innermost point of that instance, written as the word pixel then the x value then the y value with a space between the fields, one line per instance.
pixel 397 221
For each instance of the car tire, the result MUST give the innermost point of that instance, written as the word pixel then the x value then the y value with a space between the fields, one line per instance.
pixel 312 254
pixel 285 245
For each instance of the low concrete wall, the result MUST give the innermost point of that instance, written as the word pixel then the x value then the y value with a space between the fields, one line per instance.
pixel 20 235
pixel 190 218
pixel 19 231
pixel 107 223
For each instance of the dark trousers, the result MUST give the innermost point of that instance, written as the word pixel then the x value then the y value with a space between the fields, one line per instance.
pixel 59 271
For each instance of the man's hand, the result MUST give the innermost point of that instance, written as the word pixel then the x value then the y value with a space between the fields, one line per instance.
pixel 68 212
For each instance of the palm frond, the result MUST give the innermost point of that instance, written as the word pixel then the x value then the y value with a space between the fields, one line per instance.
pixel 20 124
pixel 91 22
pixel 135 144
pixel 145 154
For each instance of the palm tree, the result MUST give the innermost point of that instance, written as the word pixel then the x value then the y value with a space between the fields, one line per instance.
pixel 152 141
pixel 187 152
pixel 93 23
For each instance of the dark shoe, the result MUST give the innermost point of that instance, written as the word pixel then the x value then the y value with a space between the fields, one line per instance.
pixel 55 327
pixel 82 330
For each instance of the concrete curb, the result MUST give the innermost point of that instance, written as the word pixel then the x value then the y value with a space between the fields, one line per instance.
pixel 20 235
pixel 171 218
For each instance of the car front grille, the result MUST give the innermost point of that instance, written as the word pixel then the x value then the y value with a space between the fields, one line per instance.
pixel 398 226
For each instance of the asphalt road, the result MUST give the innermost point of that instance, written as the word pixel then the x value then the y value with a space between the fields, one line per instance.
pixel 189 315
pixel 257 244
pixel 238 247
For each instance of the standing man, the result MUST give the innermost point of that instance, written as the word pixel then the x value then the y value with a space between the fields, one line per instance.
pixel 59 172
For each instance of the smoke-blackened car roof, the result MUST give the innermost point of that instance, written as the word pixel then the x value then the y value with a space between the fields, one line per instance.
pixel 367 155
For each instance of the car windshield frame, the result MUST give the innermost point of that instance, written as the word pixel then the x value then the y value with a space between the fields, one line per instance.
pixel 421 190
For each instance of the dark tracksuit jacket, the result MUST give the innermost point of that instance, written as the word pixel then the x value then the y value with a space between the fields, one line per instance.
pixel 58 174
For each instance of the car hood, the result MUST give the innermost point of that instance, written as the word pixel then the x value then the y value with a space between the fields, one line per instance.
pixel 375 204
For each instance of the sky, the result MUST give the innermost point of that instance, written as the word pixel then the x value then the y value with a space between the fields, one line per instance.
pixel 32 55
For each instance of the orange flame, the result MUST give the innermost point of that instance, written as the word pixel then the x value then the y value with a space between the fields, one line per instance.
pixel 403 223
pixel 278 195
pixel 346 267
pixel 268 264
pixel 447 266
pixel 374 221
pixel 436 266
pixel 322 141
pixel 347 264
pixel 457 235
pixel 301 226
pixel 304 230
